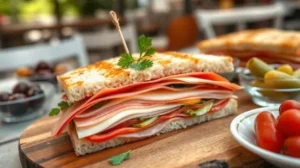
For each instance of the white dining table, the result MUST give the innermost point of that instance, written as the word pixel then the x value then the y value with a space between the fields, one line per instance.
pixel 10 134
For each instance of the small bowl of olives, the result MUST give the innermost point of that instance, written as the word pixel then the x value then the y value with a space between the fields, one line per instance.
pixel 24 101
pixel 42 72
pixel 270 85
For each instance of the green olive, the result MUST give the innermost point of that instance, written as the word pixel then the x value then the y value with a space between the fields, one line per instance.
pixel 297 73
pixel 286 69
pixel 260 84
pixel 281 80
pixel 258 67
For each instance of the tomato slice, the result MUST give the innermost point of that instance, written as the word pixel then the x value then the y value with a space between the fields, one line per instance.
pixel 123 124
pixel 219 106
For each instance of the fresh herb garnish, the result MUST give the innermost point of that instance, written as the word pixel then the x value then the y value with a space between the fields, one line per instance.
pixel 54 112
pixel 117 160
pixel 63 105
pixel 145 49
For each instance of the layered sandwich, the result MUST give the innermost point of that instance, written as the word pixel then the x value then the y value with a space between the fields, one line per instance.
pixel 106 105
pixel 270 45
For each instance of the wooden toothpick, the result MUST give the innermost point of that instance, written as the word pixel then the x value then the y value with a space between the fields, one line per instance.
pixel 115 20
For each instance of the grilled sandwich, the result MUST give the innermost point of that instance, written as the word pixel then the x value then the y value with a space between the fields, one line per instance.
pixel 270 45
pixel 108 105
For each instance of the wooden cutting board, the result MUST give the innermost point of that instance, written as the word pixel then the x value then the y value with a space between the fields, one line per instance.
pixel 204 144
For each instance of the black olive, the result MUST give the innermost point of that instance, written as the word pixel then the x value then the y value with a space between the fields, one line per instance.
pixel 19 108
pixel 42 65
pixel 17 96
pixel 4 96
pixel 21 87
pixel 34 90
pixel 44 72
pixel 33 85
pixel 37 103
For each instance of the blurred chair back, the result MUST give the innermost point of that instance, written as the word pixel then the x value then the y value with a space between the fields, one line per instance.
pixel 13 58
pixel 239 16
pixel 107 38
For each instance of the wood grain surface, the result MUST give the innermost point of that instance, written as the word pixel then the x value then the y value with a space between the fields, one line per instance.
pixel 197 146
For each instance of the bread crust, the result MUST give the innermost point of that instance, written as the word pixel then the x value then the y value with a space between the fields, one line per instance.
pixel 87 81
pixel 271 41
pixel 82 146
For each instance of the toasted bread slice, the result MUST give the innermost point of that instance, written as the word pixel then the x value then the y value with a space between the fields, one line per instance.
pixel 267 41
pixel 89 80
pixel 82 146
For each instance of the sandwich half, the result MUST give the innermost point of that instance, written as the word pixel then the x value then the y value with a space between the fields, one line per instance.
pixel 108 106
pixel 270 45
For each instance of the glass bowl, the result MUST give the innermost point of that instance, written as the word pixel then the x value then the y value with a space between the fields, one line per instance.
pixel 27 108
pixel 231 75
pixel 263 96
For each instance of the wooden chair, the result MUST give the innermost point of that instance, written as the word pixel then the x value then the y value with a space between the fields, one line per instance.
pixel 239 16
pixel 13 58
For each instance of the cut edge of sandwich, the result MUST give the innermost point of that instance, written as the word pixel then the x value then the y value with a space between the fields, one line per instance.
pixel 82 146
pixel 87 81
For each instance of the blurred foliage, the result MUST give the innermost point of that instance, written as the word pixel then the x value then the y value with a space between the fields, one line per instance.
pixel 4 7
pixel 89 7
pixel 29 9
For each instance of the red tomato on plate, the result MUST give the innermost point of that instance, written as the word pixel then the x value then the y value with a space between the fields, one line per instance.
pixel 292 146
pixel 289 104
pixel 267 137
pixel 289 122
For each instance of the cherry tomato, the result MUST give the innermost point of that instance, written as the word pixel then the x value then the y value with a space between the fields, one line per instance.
pixel 292 146
pixel 289 104
pixel 267 137
pixel 289 123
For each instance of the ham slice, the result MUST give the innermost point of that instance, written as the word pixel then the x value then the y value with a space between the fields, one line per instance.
pixel 127 101
pixel 161 97
pixel 125 115
pixel 136 89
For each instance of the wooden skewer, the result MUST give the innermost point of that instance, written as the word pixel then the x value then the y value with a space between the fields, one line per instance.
pixel 115 20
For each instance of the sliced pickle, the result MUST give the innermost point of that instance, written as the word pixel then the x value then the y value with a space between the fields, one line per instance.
pixel 202 110
pixel 258 68
pixel 286 69
pixel 145 123
pixel 297 73
pixel 281 80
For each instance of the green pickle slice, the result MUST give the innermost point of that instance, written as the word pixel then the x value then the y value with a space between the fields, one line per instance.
pixel 203 110
pixel 145 123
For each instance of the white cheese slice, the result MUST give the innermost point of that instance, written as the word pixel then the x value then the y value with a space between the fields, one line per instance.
pixel 88 131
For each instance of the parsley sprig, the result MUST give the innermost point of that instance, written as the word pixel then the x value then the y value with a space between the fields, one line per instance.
pixel 117 160
pixel 145 49
pixel 63 105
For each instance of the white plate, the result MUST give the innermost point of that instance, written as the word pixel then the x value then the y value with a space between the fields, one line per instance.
pixel 242 129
